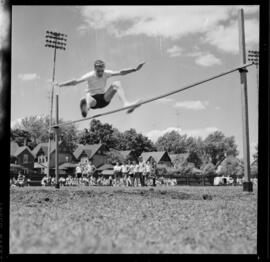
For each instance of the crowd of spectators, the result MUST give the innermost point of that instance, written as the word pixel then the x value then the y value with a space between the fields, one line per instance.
pixel 126 174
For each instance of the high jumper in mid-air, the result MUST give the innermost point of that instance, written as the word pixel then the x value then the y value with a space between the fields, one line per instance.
pixel 97 93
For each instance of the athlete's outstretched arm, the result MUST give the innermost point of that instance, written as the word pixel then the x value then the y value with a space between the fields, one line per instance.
pixel 75 81
pixel 127 71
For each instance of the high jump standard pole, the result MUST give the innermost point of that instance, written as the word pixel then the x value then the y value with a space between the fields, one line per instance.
pixel 247 184
pixel 56 143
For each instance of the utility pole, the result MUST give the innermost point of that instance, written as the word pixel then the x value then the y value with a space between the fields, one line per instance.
pixel 56 41
pixel 247 185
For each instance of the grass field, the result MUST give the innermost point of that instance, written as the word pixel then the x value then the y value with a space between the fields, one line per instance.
pixel 133 220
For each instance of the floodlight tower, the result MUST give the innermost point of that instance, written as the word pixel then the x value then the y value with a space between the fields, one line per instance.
pixel 54 40
pixel 253 56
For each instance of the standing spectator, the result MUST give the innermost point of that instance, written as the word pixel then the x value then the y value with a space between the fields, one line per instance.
pixel 91 169
pixel 125 169
pixel 136 174
pixel 131 172
pixel 117 173
pixel 154 173
pixel 79 174
pixel 110 181
pixel 148 169
pixel 142 171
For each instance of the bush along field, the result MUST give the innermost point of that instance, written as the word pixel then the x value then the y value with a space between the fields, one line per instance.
pixel 186 219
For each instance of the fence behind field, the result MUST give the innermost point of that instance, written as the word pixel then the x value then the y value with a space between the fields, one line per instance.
pixel 195 180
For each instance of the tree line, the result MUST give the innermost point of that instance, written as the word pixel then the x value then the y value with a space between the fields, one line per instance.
pixel 203 153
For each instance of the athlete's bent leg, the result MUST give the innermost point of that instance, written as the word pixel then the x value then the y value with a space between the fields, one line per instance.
pixel 116 87
pixel 86 104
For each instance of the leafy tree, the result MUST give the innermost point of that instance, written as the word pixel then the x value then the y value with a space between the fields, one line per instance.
pixel 255 155
pixel 232 166
pixel 194 158
pixel 187 170
pixel 172 142
pixel 209 169
pixel 254 170
pixel 217 146
pixel 113 156
pixel 137 142
pixel 38 129
pixel 21 137
pixel 98 133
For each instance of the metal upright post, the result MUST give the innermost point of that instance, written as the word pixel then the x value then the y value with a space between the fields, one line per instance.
pixel 247 185
pixel 56 143
pixel 54 40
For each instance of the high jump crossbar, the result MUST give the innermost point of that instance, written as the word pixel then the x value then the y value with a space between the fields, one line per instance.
pixel 238 68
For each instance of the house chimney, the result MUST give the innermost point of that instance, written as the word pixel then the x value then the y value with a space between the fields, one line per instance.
pixel 25 142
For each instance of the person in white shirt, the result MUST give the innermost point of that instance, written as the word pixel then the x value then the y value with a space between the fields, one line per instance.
pixel 97 96
pixel 78 174
pixel 131 172
pixel 125 169
pixel 117 173
pixel 148 169
pixel 136 174
pixel 142 171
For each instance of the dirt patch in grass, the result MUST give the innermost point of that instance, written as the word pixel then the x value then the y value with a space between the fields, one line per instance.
pixel 133 220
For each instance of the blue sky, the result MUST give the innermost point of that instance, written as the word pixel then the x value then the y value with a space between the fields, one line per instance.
pixel 180 44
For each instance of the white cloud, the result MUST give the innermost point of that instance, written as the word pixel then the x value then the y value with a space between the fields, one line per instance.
pixel 28 77
pixel 175 51
pixel 200 132
pixel 227 39
pixel 193 105
pixel 207 60
pixel 166 21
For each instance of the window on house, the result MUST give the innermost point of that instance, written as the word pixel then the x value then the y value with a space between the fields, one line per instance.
pixel 25 159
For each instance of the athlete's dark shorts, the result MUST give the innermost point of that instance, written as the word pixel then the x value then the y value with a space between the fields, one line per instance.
pixel 100 101
pixel 79 175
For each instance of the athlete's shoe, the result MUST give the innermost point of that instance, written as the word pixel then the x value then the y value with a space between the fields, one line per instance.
pixel 135 103
pixel 83 106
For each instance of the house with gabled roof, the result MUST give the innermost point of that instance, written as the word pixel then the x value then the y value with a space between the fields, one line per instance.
pixel 179 160
pixel 40 153
pixel 128 155
pixel 22 155
pixel 125 155
pixel 161 158
pixel 95 153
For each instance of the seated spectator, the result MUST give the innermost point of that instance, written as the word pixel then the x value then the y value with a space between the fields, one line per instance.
pixel 20 179
pixel 43 181
pixel 85 181
pixel 62 181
